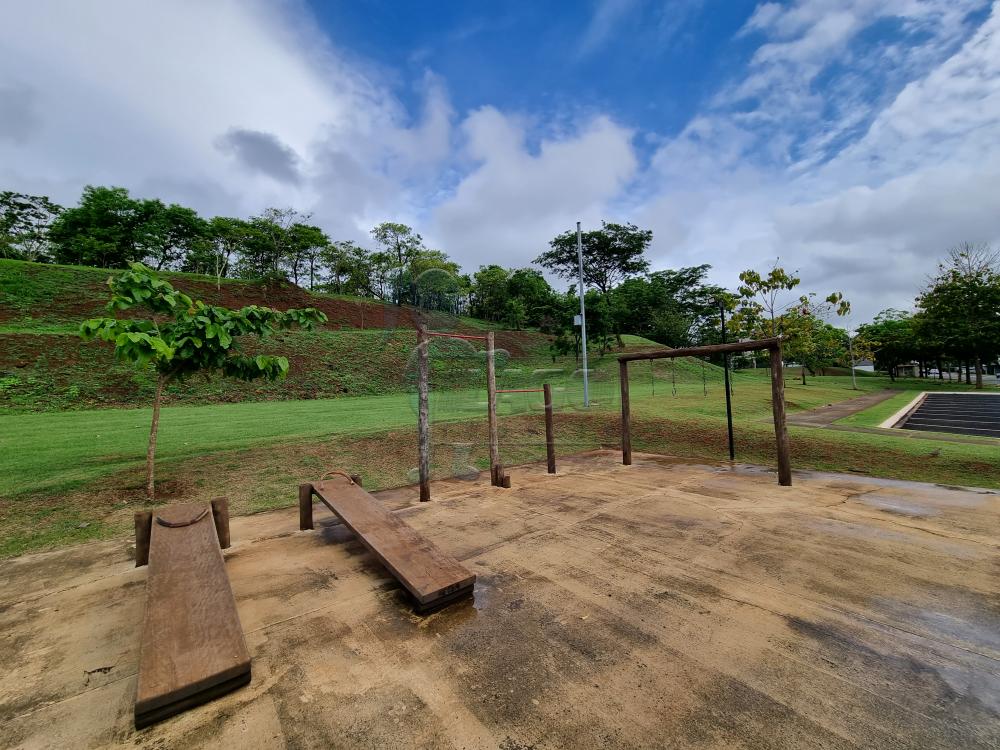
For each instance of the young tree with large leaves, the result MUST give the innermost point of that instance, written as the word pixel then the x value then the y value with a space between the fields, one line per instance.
pixel 183 337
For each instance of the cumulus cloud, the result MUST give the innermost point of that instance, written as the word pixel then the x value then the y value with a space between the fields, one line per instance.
pixel 857 143
pixel 514 199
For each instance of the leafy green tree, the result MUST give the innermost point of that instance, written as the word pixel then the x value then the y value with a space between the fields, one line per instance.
pixel 529 287
pixel 960 310
pixel 349 268
pixel 169 233
pixel 764 311
pixel 305 246
pixel 489 292
pixel 24 225
pixel 610 254
pixel 891 338
pixel 398 239
pixel 184 336
pixel 106 229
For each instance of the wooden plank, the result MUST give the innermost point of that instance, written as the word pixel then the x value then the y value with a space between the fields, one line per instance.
pixel 550 437
pixel 192 642
pixel 700 351
pixel 496 468
pixel 423 415
pixel 430 575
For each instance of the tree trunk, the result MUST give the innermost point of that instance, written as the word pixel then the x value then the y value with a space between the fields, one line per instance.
pixel 979 373
pixel 151 451
pixel 968 373
pixel 803 374
pixel 940 369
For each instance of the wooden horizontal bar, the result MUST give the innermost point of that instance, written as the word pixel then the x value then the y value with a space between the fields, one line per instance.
pixel 454 335
pixel 695 351
pixel 522 390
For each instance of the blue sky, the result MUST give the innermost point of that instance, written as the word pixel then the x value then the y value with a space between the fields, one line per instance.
pixel 856 140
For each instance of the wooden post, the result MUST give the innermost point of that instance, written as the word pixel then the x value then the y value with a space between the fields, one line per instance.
pixel 143 530
pixel 550 437
pixel 220 515
pixel 496 468
pixel 305 507
pixel 423 418
pixel 780 429
pixel 626 415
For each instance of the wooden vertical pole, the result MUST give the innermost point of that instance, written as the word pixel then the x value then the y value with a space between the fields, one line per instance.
pixel 780 429
pixel 626 415
pixel 305 507
pixel 496 469
pixel 550 437
pixel 143 530
pixel 424 427
pixel 220 516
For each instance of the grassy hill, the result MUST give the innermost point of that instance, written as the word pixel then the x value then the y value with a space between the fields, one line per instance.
pixel 365 349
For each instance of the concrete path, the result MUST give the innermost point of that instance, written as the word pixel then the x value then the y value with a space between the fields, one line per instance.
pixel 827 415
pixel 661 605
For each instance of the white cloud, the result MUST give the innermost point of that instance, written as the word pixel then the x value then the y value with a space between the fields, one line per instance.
pixel 513 201
pixel 857 157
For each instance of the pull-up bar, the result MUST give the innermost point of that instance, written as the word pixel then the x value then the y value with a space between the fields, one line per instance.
pixel 773 345
pixel 453 335
pixel 521 390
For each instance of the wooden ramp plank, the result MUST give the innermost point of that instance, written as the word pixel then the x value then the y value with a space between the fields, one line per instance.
pixel 192 642
pixel 432 577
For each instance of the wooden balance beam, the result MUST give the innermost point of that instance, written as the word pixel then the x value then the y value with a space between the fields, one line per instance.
pixel 432 577
pixel 193 649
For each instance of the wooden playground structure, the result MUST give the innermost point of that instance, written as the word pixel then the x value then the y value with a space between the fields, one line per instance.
pixel 193 647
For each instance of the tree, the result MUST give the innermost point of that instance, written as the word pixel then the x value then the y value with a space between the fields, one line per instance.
pixel 169 233
pixel 24 225
pixel 185 336
pixel 398 239
pixel 489 292
pixel 763 312
pixel 349 268
pixel 305 245
pixel 268 243
pixel 106 229
pixel 960 310
pixel 891 338
pixel 224 239
pixel 610 254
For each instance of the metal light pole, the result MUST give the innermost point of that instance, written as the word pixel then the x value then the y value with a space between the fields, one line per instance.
pixel 583 316
pixel 850 354
pixel 725 369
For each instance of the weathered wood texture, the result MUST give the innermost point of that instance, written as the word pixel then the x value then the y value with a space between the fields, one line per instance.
pixel 143 524
pixel 305 507
pixel 700 351
pixel 423 415
pixel 550 435
pixel 780 428
pixel 496 468
pixel 220 515
pixel 626 413
pixel 431 576
pixel 192 642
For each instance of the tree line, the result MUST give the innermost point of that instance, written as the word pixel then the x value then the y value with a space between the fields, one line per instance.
pixel 956 325
pixel 956 321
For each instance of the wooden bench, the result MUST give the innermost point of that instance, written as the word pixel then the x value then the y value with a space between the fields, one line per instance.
pixel 432 577
pixel 192 643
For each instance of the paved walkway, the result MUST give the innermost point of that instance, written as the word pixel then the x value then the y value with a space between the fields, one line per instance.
pixel 827 415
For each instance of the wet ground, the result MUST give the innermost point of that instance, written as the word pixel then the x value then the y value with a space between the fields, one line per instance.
pixel 658 605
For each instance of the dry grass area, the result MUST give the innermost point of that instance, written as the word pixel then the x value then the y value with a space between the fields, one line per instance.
pixel 666 604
